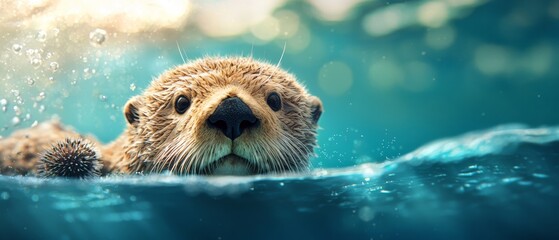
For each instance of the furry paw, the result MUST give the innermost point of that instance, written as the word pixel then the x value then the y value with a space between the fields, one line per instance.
pixel 71 158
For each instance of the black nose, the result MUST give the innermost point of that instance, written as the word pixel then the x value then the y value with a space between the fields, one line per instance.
pixel 232 117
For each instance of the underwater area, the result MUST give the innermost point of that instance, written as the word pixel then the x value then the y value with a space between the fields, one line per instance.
pixel 440 118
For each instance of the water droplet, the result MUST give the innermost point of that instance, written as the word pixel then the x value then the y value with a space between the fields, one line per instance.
pixel 54 66
pixel 132 87
pixel 15 121
pixel 17 48
pixel 97 37
pixel 281 184
pixel 102 98
pixel 36 62
pixel 35 198
pixel 41 36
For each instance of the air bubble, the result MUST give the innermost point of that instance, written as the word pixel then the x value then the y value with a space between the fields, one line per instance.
pixel 132 87
pixel 366 214
pixel 41 36
pixel 5 196
pixel 55 32
pixel 34 54
pixel 97 37
pixel 102 98
pixel 54 66
pixel 3 102
pixel 36 62
pixel 88 73
pixel 30 81
pixel 17 48
pixel 17 110
pixel 15 121
pixel 41 97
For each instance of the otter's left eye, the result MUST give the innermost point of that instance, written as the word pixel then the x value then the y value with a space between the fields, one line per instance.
pixel 182 104
pixel 274 101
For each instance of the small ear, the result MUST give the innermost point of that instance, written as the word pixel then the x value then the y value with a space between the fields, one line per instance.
pixel 131 110
pixel 316 109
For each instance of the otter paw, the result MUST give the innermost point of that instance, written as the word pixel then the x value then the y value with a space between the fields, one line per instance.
pixel 71 158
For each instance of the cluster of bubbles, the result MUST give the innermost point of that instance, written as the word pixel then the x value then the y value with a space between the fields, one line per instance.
pixel 37 50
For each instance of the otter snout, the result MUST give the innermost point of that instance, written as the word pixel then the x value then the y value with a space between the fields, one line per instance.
pixel 232 116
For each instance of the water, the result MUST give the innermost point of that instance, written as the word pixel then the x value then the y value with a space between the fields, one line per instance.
pixel 495 184
pixel 393 76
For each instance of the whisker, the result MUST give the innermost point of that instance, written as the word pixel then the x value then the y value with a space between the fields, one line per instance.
pixel 282 53
pixel 180 52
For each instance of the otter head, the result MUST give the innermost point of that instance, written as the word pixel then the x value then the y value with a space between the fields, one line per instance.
pixel 233 116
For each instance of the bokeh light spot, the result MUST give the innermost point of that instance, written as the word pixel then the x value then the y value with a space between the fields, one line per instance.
pixel 440 38
pixel 491 59
pixel 266 30
pixel 384 21
pixel 335 78
pixel 433 14
pixel 289 23
pixel 419 76
pixel 385 74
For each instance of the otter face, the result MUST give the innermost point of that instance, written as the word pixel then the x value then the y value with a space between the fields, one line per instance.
pixel 232 116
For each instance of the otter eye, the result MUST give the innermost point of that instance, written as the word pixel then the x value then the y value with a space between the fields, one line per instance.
pixel 182 104
pixel 274 101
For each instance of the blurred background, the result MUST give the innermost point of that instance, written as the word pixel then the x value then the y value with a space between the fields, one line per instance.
pixel 393 75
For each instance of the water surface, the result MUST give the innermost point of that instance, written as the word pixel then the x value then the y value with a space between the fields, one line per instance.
pixel 499 183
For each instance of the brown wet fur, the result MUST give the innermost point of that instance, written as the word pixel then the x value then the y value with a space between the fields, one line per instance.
pixel 158 139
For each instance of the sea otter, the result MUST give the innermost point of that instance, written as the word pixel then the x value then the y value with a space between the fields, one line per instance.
pixel 213 116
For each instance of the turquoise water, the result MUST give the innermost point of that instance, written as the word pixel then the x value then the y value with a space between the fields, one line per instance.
pixel 495 184
pixel 398 79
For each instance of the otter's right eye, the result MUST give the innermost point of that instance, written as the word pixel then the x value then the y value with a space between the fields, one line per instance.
pixel 182 104
pixel 274 101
